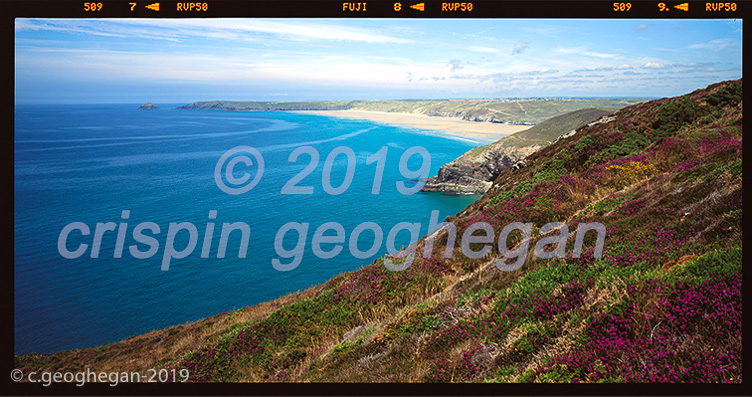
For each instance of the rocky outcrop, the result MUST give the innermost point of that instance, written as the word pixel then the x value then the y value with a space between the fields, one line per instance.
pixel 474 174
pixel 148 106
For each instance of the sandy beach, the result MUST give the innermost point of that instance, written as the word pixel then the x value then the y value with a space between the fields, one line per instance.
pixel 483 131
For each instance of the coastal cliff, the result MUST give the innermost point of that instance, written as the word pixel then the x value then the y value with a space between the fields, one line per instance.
pixel 662 304
pixel 475 170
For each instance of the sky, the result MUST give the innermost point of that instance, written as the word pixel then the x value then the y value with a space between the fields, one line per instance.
pixel 187 60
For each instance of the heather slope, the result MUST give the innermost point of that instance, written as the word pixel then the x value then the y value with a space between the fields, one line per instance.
pixel 662 304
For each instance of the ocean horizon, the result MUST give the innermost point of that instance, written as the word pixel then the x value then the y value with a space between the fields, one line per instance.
pixel 113 163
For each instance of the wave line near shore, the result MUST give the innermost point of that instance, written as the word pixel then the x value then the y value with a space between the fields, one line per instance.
pixel 477 130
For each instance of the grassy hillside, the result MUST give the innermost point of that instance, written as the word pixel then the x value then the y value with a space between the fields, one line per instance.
pixel 663 303
pixel 530 111
pixel 547 131
pixel 543 133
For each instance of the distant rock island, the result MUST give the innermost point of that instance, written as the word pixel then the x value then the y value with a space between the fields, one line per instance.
pixel 148 106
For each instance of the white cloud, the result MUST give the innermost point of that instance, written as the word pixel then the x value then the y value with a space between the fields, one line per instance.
pixel 641 27
pixel 598 54
pixel 520 47
pixel 228 29
pixel 716 45
pixel 455 65
pixel 90 28
pixel 334 71
pixel 569 50
pixel 488 50
pixel 581 51
pixel 548 30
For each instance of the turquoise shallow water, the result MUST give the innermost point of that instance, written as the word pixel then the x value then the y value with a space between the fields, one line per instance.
pixel 90 163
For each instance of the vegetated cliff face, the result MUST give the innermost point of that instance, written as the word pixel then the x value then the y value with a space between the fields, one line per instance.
pixel 475 170
pixel 662 304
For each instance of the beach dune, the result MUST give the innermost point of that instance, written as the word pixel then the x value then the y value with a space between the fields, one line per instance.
pixel 484 131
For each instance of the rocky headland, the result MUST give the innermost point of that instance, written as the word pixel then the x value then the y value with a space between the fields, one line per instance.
pixel 475 170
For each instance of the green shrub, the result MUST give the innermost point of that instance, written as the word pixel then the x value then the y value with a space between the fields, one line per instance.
pixel 632 143
pixel 674 115
pixel 729 95
pixel 346 346
pixel 723 262
pixel 504 374
pixel 734 168
pixel 518 190
pixel 607 204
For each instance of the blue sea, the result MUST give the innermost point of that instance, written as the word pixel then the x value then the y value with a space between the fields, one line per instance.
pixel 87 164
